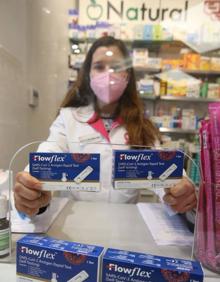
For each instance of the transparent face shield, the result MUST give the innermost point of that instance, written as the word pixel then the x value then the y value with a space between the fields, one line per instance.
pixel 109 59
pixel 109 74
pixel 99 172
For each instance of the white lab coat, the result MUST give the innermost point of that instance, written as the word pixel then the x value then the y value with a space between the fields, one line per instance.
pixel 70 128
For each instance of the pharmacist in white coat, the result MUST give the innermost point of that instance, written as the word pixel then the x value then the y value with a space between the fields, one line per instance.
pixel 102 107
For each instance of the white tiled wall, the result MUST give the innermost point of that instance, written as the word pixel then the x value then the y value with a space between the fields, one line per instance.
pixel 13 67
pixel 33 53
pixel 48 60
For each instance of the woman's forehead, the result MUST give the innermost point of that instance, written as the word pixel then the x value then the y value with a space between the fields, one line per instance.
pixel 109 53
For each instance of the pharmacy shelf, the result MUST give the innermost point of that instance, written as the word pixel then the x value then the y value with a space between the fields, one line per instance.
pixel 202 72
pixel 147 96
pixel 193 72
pixel 178 130
pixel 152 71
pixel 188 99
pixel 82 40
pixel 147 69
pixel 134 42
pixel 154 44
pixel 175 98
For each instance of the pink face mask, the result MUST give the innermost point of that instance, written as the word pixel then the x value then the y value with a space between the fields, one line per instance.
pixel 108 87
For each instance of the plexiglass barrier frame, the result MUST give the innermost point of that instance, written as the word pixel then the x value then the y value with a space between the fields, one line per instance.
pixel 207 229
pixel 21 159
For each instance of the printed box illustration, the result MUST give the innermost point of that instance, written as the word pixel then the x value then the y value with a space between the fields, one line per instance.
pixel 66 171
pixel 139 169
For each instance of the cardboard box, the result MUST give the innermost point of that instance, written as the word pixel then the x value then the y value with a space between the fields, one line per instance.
pixel 42 258
pixel 66 171
pixel 119 265
pixel 140 169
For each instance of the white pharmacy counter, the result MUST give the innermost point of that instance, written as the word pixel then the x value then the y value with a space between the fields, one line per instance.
pixel 109 225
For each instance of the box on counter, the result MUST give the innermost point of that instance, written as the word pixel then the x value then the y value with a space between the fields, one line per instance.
pixel 141 169
pixel 42 258
pixel 119 265
pixel 66 171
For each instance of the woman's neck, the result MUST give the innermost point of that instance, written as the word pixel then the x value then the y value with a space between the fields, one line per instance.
pixel 107 111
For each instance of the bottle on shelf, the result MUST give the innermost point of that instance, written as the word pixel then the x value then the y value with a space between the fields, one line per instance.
pixel 204 89
pixel 163 88
pixel 4 227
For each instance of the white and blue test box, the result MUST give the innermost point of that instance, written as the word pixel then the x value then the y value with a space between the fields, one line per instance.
pixel 141 169
pixel 66 171
pixel 120 265
pixel 42 258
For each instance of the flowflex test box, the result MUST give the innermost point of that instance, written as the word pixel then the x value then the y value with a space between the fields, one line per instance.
pixel 122 266
pixel 140 169
pixel 42 258
pixel 66 171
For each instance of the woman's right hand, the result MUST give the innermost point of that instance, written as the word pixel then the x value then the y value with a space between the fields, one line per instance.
pixel 28 194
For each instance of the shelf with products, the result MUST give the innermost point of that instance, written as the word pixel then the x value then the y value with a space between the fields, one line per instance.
pixel 176 98
pixel 134 43
pixel 188 71
pixel 167 72
pixel 206 82
pixel 168 123
pixel 178 130
pixel 179 70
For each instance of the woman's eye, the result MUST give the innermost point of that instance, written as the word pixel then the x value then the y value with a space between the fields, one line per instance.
pixel 115 68
pixel 99 67
pixel 118 67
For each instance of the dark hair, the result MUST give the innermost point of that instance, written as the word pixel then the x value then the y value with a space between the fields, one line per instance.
pixel 140 130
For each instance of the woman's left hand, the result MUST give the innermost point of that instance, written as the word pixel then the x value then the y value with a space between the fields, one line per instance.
pixel 182 196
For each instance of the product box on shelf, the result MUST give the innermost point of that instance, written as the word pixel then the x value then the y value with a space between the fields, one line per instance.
pixel 213 90
pixel 191 61
pixel 138 32
pixel 66 171
pixel 146 86
pixel 157 32
pixel 140 57
pixel 189 120
pixel 42 258
pixel 171 63
pixel 141 169
pixel 205 63
pixel 215 64
pixel 148 32
pixel 120 265
pixel 154 63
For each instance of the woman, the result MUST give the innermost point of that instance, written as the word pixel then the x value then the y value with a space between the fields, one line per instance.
pixel 103 107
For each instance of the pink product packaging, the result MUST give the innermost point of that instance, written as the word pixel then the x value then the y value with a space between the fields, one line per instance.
pixel 217 218
pixel 205 151
pixel 214 114
pixel 209 193
pixel 200 236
